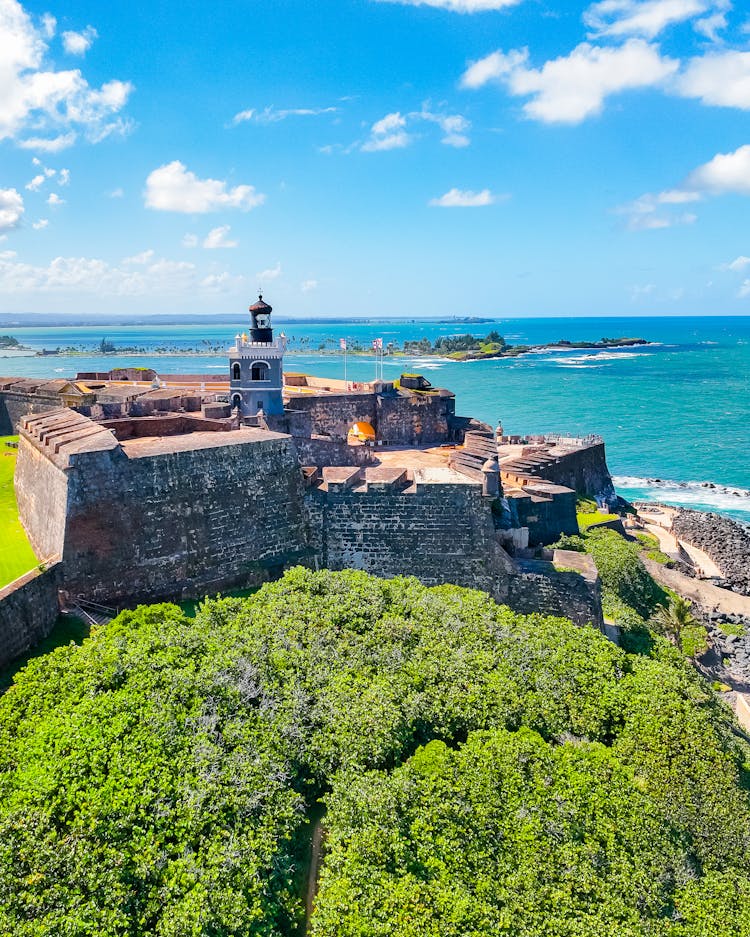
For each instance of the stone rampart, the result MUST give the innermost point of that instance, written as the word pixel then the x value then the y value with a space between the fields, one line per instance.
pixel 14 405
pixel 160 518
pixel 542 589
pixel 28 611
pixel 389 526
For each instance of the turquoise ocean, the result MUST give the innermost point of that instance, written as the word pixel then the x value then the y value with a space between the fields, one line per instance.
pixel 675 414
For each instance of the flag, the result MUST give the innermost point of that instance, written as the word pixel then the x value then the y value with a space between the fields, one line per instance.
pixel 378 344
pixel 342 344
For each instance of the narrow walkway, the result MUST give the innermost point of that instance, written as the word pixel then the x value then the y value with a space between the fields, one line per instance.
pixel 705 594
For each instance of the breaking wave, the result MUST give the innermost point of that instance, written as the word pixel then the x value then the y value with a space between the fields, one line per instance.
pixel 704 496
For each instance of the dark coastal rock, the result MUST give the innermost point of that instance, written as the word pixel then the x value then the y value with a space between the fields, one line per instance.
pixel 726 541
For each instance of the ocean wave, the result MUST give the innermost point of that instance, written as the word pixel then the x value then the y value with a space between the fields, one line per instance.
pixel 699 495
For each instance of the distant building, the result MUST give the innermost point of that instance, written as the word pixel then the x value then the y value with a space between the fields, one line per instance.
pixel 255 366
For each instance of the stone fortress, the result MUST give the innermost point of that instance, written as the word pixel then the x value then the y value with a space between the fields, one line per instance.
pixel 135 488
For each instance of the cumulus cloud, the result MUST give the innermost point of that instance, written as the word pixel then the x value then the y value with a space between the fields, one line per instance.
pixel 36 183
pixel 217 238
pixel 308 286
pixel 55 105
pixel 726 172
pixel 173 187
pixel 388 133
pixel 571 88
pixel 79 43
pixel 618 18
pixel 54 200
pixel 64 177
pixel 41 224
pixel 139 275
pixel 11 209
pixel 721 79
pixel 464 198
pixel 454 126
pixel 459 6
pixel 273 115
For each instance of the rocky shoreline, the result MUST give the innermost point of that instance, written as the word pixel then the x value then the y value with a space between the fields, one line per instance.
pixel 726 541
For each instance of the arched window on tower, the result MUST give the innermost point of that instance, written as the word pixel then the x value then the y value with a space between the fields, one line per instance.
pixel 236 373
pixel 259 371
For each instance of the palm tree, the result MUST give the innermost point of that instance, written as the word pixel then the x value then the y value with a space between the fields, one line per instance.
pixel 673 618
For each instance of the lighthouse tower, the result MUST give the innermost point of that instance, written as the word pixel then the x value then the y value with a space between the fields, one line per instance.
pixel 255 366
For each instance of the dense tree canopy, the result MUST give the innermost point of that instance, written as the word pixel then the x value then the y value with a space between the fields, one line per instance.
pixel 485 772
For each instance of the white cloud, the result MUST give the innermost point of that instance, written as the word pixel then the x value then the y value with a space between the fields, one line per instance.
pixel 54 200
pixel 454 126
pixel 726 172
pixel 217 238
pixel 52 104
pixel 36 183
pixel 173 187
pixel 49 25
pixel 64 177
pixel 79 43
pixel 464 198
pixel 308 285
pixel 85 275
pixel 571 88
pixel 655 211
pixel 647 18
pixel 738 264
pixel 49 144
pixel 116 193
pixel 388 133
pixel 639 292
pixel 392 131
pixel 721 79
pixel 11 209
pixel 139 260
pixel 459 6
pixel 273 115
pixel 711 26
pixel 190 240
pixel 271 274
pixel 744 290
pixel 41 224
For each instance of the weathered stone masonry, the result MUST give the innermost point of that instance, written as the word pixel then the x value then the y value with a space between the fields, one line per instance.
pixel 150 520
pixel 392 525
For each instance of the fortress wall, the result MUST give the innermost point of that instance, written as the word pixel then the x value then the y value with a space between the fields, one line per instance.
pixel 333 415
pixel 42 496
pixel 547 519
pixel 439 533
pixel 322 451
pixel 28 611
pixel 13 406
pixel 418 419
pixel 565 594
pixel 181 523
pixel 585 471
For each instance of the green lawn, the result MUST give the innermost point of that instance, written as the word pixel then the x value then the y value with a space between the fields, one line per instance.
pixel 16 555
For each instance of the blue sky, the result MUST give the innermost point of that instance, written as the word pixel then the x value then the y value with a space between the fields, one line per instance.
pixel 357 157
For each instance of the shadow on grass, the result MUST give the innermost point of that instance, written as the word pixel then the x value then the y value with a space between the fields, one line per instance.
pixel 67 629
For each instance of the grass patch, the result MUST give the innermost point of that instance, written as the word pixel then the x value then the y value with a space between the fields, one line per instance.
pixel 586 520
pixel 16 555
pixel 652 548
pixel 191 606
pixel 729 628
pixel 694 640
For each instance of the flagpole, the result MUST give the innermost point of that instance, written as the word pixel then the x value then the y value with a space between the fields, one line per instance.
pixel 345 380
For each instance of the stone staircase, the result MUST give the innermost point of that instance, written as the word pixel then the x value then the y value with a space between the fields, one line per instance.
pixel 477 448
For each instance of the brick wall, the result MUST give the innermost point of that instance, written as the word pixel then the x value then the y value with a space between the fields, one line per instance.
pixel 28 612
pixel 42 496
pixel 566 594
